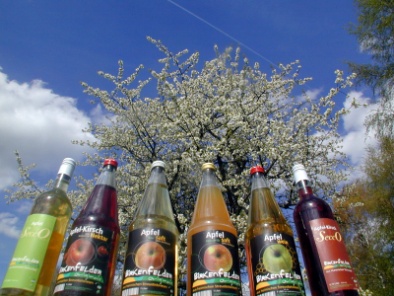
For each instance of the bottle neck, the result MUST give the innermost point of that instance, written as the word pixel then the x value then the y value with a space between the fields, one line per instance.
pixel 209 178
pixel 210 206
pixel 155 203
pixel 62 182
pixel 304 188
pixel 157 176
pixel 263 208
pixel 259 181
pixel 107 176
pixel 103 199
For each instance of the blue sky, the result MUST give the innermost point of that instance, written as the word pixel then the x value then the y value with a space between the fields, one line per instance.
pixel 48 47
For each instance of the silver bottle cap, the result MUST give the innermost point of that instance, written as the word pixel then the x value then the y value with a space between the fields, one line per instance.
pixel 299 173
pixel 158 163
pixel 67 167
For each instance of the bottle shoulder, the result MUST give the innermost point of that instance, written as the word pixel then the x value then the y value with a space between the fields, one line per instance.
pixel 312 207
pixel 97 221
pixel 262 226
pixel 154 221
pixel 210 225
pixel 310 201
pixel 53 202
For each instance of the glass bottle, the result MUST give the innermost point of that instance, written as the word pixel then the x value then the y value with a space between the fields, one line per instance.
pixel 326 260
pixel 271 254
pixel 34 261
pixel 89 259
pixel 151 263
pixel 212 248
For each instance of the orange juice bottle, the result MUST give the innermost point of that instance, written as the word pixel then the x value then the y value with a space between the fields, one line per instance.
pixel 212 251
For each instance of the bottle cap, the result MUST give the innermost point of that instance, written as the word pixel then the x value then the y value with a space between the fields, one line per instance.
pixel 299 173
pixel 257 169
pixel 111 161
pixel 67 167
pixel 158 163
pixel 208 165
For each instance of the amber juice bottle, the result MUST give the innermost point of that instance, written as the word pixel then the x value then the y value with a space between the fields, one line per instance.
pixel 151 263
pixel 89 260
pixel 34 261
pixel 212 249
pixel 272 259
pixel 326 260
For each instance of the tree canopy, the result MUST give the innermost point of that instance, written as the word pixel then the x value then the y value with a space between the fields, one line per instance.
pixel 375 32
pixel 366 212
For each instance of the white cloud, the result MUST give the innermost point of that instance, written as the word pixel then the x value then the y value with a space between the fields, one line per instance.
pixel 39 124
pixel 24 206
pixel 99 116
pixel 355 137
pixel 8 223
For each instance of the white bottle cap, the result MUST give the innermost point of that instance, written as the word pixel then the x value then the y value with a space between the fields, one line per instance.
pixel 158 163
pixel 67 167
pixel 299 173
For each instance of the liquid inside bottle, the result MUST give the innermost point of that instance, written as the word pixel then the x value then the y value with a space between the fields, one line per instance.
pixel 212 254
pixel 272 260
pixel 89 260
pixel 326 260
pixel 34 261
pixel 151 263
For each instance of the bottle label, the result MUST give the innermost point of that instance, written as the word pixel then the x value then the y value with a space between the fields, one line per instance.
pixel 30 252
pixel 275 265
pixel 85 267
pixel 215 264
pixel 333 256
pixel 150 262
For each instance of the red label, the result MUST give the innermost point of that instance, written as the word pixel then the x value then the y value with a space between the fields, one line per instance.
pixel 333 256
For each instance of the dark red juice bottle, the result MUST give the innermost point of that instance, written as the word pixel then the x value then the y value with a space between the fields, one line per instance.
pixel 326 260
pixel 89 260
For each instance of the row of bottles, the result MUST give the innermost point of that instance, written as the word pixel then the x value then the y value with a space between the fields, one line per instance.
pixel 150 266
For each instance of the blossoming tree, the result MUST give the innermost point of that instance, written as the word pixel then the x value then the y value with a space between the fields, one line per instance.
pixel 226 111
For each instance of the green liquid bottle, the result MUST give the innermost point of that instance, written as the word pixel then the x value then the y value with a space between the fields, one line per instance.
pixel 33 264
pixel 151 263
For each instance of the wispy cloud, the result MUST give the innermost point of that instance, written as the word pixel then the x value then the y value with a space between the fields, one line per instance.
pixel 24 207
pixel 8 223
pixel 355 137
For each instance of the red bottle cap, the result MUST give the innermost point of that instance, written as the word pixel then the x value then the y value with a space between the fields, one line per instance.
pixel 111 161
pixel 257 169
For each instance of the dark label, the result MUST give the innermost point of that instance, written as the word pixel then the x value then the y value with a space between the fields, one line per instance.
pixel 215 264
pixel 333 256
pixel 85 264
pixel 150 263
pixel 275 265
